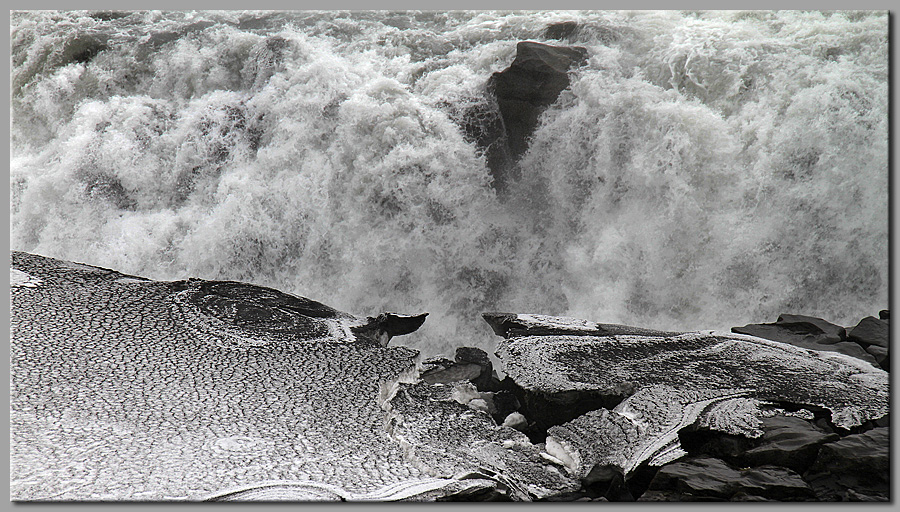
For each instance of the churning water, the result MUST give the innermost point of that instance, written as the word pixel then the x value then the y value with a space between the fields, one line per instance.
pixel 704 170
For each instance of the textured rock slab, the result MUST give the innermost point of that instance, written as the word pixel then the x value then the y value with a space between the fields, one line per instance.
pixel 702 478
pixel 242 315
pixel 116 394
pixel 427 489
pixel 858 463
pixel 854 391
pixel 447 439
pixel 643 427
pixel 513 325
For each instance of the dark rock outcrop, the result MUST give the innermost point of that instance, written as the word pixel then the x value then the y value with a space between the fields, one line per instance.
pixel 788 442
pixel 807 332
pixel 859 463
pixel 532 82
pixel 707 478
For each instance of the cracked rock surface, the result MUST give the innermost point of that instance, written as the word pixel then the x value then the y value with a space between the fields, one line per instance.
pixel 123 388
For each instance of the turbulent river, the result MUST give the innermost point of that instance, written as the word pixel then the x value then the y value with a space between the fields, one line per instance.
pixel 702 171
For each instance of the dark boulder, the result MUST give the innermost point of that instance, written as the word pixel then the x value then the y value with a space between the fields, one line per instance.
pixel 812 325
pixel 870 331
pixel 789 442
pixel 884 314
pixel 532 82
pixel 807 332
pixel 705 478
pixel 858 462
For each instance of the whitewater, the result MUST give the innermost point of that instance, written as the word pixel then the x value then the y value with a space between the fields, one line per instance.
pixel 703 170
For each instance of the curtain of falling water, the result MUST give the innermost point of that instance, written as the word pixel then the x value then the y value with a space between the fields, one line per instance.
pixel 704 170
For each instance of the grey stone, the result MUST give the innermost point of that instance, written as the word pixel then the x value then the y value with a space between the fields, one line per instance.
pixel 871 331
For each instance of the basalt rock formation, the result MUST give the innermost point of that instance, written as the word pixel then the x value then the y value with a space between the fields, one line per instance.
pixel 123 388
pixel 770 407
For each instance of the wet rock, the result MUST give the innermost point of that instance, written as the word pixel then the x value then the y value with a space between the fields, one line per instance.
pixel 870 331
pixel 654 495
pixel 858 462
pixel 788 442
pixel 531 83
pixel 852 495
pixel 705 477
pixel 83 49
pixel 714 444
pixel 108 188
pixel 563 30
pixel 512 325
pixel 807 332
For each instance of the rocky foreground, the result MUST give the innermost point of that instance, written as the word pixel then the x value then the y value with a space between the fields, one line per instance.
pixel 124 388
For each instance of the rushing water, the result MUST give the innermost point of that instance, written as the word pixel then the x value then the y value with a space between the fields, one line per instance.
pixel 704 170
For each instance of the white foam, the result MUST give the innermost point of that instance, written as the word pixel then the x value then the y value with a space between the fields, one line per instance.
pixel 696 175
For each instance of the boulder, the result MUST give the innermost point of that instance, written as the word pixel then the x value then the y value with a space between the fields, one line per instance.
pixel 858 462
pixel 797 330
pixel 807 332
pixel 703 478
pixel 884 314
pixel 788 442
pixel 812 325
pixel 870 331
pixel 881 355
